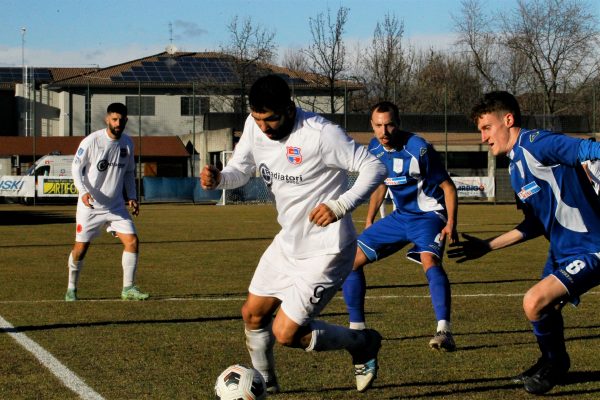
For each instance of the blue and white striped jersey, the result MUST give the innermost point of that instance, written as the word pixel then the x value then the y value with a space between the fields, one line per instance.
pixel 547 176
pixel 414 174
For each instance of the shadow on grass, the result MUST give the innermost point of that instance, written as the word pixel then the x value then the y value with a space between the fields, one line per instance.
pixel 35 218
pixel 375 391
pixel 453 283
pixel 33 328
pixel 470 386
pixel 143 242
pixel 500 343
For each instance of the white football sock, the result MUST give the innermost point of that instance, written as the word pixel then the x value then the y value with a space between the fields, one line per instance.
pixel 443 326
pixel 358 325
pixel 334 337
pixel 129 261
pixel 259 343
pixel 74 270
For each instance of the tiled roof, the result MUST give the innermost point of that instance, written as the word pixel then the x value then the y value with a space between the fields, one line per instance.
pixel 152 146
pixel 112 76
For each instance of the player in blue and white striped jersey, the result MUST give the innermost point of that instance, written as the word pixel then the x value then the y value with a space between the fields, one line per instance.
pixel 425 211
pixel 559 203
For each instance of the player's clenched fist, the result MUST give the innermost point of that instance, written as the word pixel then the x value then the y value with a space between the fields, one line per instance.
pixel 210 177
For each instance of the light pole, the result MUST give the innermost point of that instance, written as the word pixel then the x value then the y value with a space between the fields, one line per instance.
pixel 23 31
pixel 24 82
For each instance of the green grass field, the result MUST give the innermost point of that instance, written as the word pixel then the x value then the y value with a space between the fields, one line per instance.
pixel 196 262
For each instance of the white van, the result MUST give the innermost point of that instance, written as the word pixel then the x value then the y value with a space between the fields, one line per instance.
pixel 52 181
pixel 52 165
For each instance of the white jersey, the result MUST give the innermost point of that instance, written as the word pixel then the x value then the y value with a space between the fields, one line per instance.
pixel 306 168
pixel 102 167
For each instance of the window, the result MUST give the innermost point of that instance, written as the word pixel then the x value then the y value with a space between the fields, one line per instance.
pixel 133 105
pixel 201 105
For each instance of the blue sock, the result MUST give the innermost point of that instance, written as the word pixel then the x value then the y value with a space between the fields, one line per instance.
pixel 549 332
pixel 439 289
pixel 354 289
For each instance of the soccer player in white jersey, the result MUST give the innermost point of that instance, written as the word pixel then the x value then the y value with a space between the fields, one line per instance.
pixel 303 159
pixel 425 214
pixel 103 166
pixel 559 203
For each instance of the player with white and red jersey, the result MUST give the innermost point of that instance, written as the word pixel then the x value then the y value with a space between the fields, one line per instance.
pixel 104 167
pixel 303 159
pixel 303 170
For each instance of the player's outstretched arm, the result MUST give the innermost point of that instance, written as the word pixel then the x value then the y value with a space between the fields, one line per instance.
pixel 473 248
pixel 210 177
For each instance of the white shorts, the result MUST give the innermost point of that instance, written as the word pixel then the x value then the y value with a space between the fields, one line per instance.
pixel 91 222
pixel 304 286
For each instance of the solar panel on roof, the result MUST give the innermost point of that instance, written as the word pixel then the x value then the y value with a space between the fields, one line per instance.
pixel 15 74
pixel 181 69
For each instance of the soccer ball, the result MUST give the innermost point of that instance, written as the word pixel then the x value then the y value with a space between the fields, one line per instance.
pixel 239 382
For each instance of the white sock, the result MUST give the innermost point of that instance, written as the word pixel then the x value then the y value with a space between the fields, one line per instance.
pixel 334 337
pixel 443 326
pixel 74 270
pixel 259 343
pixel 358 325
pixel 129 261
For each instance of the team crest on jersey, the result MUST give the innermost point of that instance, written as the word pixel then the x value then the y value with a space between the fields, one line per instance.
pixel 533 136
pixel 398 164
pixel 294 155
pixel 80 151
pixel 123 152
pixel 528 190
pixel 423 151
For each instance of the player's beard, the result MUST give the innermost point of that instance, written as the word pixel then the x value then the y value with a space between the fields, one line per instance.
pixel 116 131
pixel 283 131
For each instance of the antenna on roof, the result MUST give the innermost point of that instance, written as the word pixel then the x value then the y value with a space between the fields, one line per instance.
pixel 171 49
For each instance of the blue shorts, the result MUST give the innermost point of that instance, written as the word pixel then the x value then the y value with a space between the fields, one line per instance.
pixel 392 233
pixel 578 273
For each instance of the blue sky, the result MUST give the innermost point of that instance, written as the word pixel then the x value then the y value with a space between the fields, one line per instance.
pixel 107 32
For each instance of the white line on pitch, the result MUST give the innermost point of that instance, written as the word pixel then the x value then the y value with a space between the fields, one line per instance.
pixel 216 299
pixel 65 375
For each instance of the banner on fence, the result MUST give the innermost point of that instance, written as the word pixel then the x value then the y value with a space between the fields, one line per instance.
pixel 475 186
pixel 17 186
pixel 52 186
pixel 47 186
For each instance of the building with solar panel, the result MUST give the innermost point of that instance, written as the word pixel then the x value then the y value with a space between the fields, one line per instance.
pixel 167 94
pixel 199 98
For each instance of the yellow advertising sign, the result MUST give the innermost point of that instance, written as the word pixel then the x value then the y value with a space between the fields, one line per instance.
pixel 58 187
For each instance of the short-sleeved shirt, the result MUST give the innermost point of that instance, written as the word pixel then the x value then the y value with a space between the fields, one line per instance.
pixel 414 175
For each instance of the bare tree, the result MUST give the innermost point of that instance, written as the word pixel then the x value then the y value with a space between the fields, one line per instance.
pixel 443 83
pixel 249 45
pixel 327 53
pixel 559 38
pixel 387 63
pixel 498 66
pixel 294 59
